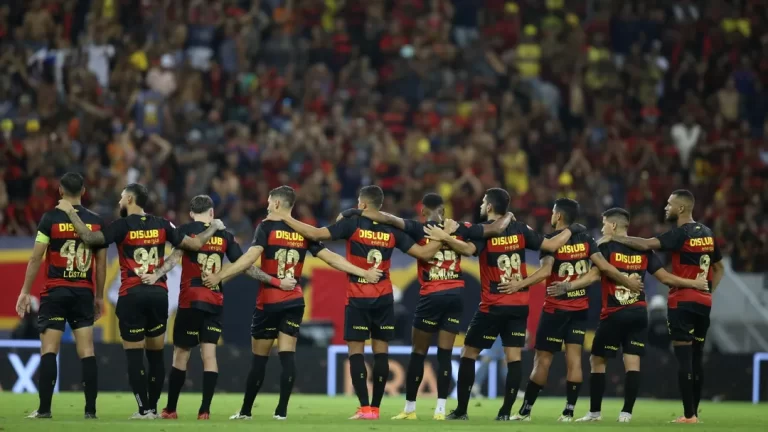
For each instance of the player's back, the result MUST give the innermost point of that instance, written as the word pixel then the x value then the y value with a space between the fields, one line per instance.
pixel 443 273
pixel 692 250
pixel 502 260
pixel 284 253
pixel 572 261
pixel 209 259
pixel 628 261
pixel 69 261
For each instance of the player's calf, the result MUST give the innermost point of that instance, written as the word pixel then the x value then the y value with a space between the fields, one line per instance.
pixel 210 377
pixel 176 379
pixel 541 363
pixel 84 346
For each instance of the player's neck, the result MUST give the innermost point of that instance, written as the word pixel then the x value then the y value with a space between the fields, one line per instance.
pixel 682 220
pixel 560 226
pixel 620 232
pixel 203 219
pixel 136 211
pixel 493 216
pixel 75 201
pixel 283 212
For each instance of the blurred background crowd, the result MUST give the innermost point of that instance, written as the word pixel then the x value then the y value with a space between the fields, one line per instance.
pixel 613 103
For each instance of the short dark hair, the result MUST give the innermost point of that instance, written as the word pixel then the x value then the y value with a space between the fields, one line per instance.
pixel 373 195
pixel 686 195
pixel 140 194
pixel 200 204
pixel 72 183
pixel 284 193
pixel 568 208
pixel 498 198
pixel 618 214
pixel 432 201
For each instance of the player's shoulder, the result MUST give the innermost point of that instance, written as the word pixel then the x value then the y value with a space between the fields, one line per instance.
pixel 88 216
pixel 582 237
pixel 696 229
pixel 517 227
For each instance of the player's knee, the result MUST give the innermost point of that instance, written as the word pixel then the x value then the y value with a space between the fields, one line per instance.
pixel 512 354
pixel 444 358
pixel 85 351
pixel 631 363
pixel 470 352
pixel 542 360
pixel 597 364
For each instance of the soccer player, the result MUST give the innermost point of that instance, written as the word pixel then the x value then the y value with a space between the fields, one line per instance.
pixel 564 318
pixel 694 255
pixel 501 312
pixel 624 317
pixel 279 312
pixel 440 303
pixel 198 318
pixel 68 293
pixel 369 311
pixel 142 310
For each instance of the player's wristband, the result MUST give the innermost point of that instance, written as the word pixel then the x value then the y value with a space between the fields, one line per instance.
pixel 275 282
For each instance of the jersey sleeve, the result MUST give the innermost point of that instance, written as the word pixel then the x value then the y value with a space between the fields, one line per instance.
pixel 402 241
pixel 174 235
pixel 479 244
pixel 470 231
pixel 44 230
pixel 260 237
pixel 717 256
pixel 343 229
pixel 314 247
pixel 654 263
pixel 115 232
pixel 533 240
pixel 234 251
pixel 544 253
pixel 414 229
pixel 672 239
pixel 593 248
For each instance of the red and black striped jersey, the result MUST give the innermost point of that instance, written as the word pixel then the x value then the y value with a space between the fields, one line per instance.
pixel 572 261
pixel 693 251
pixel 502 259
pixel 69 261
pixel 192 293
pixel 140 243
pixel 369 244
pixel 443 273
pixel 283 256
pixel 628 261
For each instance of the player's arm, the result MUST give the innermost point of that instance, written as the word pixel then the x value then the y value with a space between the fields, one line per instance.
pixel 496 227
pixel 101 279
pixel 308 231
pixel 168 264
pixel 434 233
pixel 545 269
pixel 234 253
pixel 426 252
pixel 338 262
pixel 91 238
pixel 560 288
pixel 33 267
pixel 612 272
pixel 552 244
pixel 718 268
pixel 248 259
pixel 193 244
pixel 638 243
pixel 669 279
pixel 376 216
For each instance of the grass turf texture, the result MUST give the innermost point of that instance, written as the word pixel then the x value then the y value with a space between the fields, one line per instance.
pixel 325 414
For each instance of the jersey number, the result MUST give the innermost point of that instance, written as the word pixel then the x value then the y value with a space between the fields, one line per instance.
pixel 145 258
pixel 374 258
pixel 568 270
pixel 439 273
pixel 704 263
pixel 509 265
pixel 209 264
pixel 286 262
pixel 77 255
pixel 623 295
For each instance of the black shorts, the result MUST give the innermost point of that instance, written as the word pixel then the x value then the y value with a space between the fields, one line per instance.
pixel 266 325
pixel 375 323
pixel 142 312
pixel 439 312
pixel 688 322
pixel 486 326
pixel 194 326
pixel 626 329
pixel 65 304
pixel 558 327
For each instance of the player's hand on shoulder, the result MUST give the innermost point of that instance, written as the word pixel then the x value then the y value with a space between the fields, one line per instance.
pixel 604 240
pixel 577 228
pixel 510 287
pixel 348 213
pixel 512 216
pixel 434 233
pixel 218 224
pixel 149 278
pixel 372 275
pixel 288 284
pixel 23 305
pixel 558 288
pixel 98 308
pixel 636 283
pixel 65 206
pixel 211 280
pixel 450 226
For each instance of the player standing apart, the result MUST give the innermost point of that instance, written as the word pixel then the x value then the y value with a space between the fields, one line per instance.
pixel 68 293
pixel 198 318
pixel 694 255
pixel 279 307
pixel 369 311
pixel 440 303
pixel 564 318
pixel 624 317
pixel 501 311
pixel 142 310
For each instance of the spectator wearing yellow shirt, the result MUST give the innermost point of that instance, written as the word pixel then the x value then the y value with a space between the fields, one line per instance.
pixel 528 54
pixel 514 161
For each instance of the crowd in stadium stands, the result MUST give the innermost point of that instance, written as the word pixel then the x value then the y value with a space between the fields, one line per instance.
pixel 614 103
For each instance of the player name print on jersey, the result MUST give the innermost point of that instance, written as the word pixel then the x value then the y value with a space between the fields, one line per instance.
pixel 629 262
pixel 442 274
pixel 572 261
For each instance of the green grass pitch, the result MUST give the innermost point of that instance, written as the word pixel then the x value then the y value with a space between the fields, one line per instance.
pixel 326 414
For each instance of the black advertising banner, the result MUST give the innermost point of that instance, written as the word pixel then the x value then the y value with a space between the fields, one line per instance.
pixel 18 368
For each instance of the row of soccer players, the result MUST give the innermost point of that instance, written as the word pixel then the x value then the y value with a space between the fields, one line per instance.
pixel 283 242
